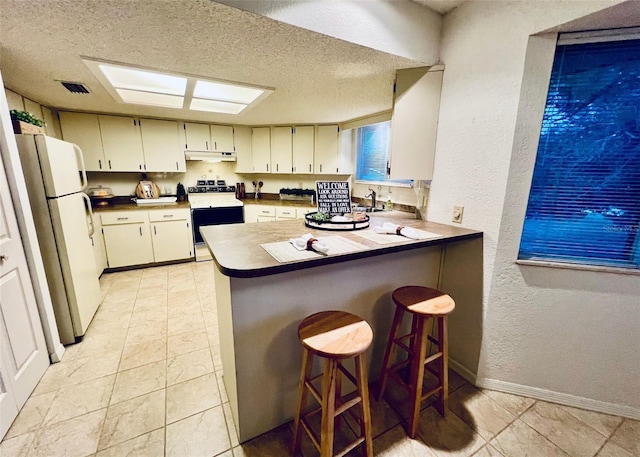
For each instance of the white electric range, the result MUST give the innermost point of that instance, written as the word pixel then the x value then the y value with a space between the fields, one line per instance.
pixel 212 203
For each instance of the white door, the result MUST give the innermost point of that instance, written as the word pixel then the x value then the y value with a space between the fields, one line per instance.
pixel 73 240
pixel 23 352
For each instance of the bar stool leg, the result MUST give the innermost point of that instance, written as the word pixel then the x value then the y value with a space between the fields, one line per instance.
pixel 417 375
pixel 365 424
pixel 443 372
pixel 388 353
pixel 305 373
pixel 328 407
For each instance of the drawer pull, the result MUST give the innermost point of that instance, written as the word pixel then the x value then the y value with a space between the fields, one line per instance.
pixel 140 231
pixel 123 218
pixel 168 215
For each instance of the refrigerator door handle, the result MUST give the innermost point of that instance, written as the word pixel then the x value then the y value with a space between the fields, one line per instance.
pixel 90 227
pixel 83 170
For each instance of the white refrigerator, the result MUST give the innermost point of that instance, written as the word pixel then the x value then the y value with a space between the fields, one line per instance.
pixel 55 176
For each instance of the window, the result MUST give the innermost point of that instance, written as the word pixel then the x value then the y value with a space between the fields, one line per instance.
pixel 584 203
pixel 372 154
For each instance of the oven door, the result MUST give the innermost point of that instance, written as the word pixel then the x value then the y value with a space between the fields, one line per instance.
pixel 214 216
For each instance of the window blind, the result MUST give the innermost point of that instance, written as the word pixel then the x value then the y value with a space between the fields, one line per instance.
pixel 584 202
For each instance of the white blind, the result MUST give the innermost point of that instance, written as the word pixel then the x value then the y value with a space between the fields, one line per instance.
pixel 584 203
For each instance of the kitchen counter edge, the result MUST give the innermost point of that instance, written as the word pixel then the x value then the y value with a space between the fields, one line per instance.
pixel 237 252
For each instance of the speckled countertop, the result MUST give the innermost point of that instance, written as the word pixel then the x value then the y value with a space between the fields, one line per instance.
pixel 237 252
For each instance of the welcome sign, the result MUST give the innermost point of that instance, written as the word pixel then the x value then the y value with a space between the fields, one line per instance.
pixel 334 197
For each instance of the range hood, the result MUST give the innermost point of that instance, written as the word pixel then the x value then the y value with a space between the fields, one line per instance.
pixel 210 156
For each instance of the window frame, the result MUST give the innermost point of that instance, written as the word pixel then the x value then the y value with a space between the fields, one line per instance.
pixel 632 33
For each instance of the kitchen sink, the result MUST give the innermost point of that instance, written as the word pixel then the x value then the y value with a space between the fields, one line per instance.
pixel 374 210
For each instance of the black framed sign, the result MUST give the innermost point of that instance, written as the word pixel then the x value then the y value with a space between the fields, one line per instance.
pixel 334 197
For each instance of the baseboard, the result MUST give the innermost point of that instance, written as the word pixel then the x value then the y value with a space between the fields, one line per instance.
pixel 554 397
pixel 463 371
pixel 56 356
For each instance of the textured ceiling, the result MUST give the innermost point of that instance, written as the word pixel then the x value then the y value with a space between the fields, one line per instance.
pixel 316 78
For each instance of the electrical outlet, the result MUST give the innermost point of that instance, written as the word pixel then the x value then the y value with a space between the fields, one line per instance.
pixel 457 214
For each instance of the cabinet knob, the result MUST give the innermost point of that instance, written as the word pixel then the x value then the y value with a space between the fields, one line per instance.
pixel 4 257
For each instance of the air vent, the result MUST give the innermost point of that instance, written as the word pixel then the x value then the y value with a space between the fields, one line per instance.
pixel 75 88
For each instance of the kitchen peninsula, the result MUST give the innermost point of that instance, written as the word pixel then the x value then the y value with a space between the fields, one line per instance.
pixel 261 301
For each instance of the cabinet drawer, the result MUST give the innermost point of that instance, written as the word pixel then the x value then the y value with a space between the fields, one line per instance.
pixel 169 215
pixel 285 213
pixel 124 217
pixel 269 211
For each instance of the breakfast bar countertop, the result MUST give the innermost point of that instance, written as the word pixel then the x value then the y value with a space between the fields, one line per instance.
pixel 237 251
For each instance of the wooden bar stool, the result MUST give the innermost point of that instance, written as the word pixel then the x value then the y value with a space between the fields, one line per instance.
pixel 422 303
pixel 334 336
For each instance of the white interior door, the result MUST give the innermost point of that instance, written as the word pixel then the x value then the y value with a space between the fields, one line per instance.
pixel 23 352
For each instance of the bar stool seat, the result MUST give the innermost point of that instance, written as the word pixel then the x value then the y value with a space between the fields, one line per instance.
pixel 334 336
pixel 422 303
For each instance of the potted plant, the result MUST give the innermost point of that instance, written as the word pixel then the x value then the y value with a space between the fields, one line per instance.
pixel 25 122
pixel 181 193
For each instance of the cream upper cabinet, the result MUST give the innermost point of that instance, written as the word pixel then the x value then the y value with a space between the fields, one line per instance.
pixel 197 137
pixel 281 148
pixel 222 138
pixel 414 122
pixel 242 139
pixel 161 144
pixel 171 234
pixel 327 159
pixel 122 143
pixel 84 130
pixel 303 145
pixel 261 149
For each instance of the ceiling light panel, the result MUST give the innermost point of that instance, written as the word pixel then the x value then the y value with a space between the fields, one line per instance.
pixel 226 92
pixel 148 98
pixel 129 78
pixel 214 106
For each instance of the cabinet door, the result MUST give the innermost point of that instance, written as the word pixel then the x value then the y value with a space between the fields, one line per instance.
pixel 122 143
pixel 242 140
pixel 197 137
pixel 128 244
pixel 171 240
pixel 303 140
pixel 414 123
pixel 161 145
pixel 222 138
pixel 281 150
pixel 261 149
pixel 302 212
pixel 84 130
pixel 327 159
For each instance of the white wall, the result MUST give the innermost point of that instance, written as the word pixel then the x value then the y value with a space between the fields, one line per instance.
pixel 566 335
pixel 402 28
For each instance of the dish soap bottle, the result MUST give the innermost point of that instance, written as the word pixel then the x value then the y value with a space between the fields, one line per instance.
pixel 389 205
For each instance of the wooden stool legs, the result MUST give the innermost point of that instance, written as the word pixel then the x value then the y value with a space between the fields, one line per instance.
pixel 418 362
pixel 332 404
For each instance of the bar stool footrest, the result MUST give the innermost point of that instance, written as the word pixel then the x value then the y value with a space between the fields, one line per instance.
pixel 307 428
pixel 350 447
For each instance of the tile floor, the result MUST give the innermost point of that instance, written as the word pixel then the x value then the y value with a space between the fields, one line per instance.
pixel 147 381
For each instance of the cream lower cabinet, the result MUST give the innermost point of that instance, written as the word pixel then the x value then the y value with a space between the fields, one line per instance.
pixel 146 236
pixel 302 212
pixel 127 238
pixel 171 234
pixel 285 213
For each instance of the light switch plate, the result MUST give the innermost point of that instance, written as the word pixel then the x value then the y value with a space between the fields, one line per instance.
pixel 457 214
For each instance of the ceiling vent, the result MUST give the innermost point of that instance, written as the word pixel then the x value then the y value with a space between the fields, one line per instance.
pixel 75 88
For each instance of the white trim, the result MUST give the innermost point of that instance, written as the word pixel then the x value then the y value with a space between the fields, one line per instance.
pixel 463 371
pixel 576 266
pixel 58 352
pixel 559 397
pixel 599 36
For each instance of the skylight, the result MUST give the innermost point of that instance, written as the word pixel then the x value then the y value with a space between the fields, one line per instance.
pixel 149 87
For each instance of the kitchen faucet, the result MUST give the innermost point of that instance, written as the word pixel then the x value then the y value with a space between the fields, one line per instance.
pixel 372 194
